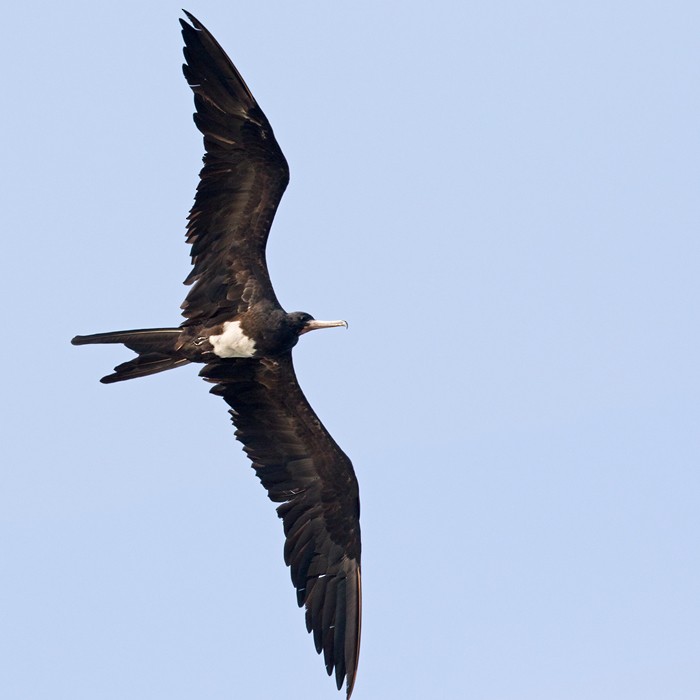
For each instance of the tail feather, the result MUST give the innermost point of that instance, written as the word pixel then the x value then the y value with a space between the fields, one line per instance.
pixel 156 347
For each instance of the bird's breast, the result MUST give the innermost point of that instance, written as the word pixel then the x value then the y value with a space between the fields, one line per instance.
pixel 232 341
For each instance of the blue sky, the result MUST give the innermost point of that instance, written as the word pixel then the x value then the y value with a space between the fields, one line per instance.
pixel 502 199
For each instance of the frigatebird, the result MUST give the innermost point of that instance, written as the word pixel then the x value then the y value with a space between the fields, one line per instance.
pixel 235 325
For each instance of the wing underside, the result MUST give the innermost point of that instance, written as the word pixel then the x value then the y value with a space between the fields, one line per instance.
pixel 240 187
pixel 305 471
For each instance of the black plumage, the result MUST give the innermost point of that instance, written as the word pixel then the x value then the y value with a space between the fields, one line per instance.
pixel 236 326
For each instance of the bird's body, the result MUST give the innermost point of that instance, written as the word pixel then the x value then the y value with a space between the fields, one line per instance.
pixel 235 325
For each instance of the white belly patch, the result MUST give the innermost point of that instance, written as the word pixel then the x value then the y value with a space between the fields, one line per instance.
pixel 233 342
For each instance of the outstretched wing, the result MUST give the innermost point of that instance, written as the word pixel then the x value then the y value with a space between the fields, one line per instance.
pixel 241 184
pixel 303 468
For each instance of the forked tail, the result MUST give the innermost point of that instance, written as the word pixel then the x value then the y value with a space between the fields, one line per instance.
pixel 157 350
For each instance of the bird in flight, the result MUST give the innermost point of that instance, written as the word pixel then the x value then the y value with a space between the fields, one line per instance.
pixel 235 325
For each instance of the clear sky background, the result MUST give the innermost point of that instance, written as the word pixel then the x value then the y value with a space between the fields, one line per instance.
pixel 502 199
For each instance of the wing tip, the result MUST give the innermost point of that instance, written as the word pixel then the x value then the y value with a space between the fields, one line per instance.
pixel 351 672
pixel 196 24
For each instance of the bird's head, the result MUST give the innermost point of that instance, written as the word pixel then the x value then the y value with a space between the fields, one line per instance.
pixel 302 322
